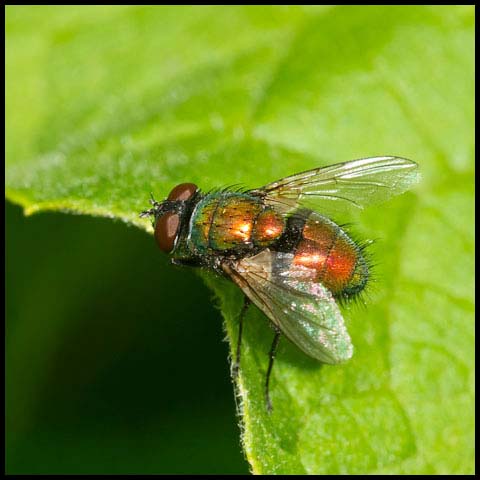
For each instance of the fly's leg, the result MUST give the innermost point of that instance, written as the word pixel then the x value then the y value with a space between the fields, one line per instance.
pixel 236 363
pixel 273 351
pixel 186 262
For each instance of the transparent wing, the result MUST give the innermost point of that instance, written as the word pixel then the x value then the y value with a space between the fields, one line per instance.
pixel 357 183
pixel 304 311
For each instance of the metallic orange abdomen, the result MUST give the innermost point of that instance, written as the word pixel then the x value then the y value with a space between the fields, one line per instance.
pixel 337 260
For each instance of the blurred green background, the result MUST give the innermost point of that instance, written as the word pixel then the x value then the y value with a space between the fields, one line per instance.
pixel 115 359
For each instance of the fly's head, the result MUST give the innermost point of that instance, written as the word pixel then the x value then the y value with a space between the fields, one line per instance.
pixel 167 216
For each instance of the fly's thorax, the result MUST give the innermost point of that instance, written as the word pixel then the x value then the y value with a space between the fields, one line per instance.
pixel 335 260
pixel 235 223
pixel 268 227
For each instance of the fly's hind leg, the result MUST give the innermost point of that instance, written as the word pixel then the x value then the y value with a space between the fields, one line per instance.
pixel 236 363
pixel 273 351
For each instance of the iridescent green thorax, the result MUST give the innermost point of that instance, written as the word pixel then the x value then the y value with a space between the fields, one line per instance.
pixel 228 221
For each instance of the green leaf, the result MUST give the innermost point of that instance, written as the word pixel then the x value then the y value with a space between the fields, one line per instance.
pixel 105 104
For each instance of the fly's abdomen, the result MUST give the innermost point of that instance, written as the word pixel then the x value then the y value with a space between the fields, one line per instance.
pixel 337 260
pixel 229 221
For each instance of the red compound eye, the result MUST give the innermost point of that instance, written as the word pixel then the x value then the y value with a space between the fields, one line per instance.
pixel 182 192
pixel 166 231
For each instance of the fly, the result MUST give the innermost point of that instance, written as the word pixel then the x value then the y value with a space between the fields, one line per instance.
pixel 289 259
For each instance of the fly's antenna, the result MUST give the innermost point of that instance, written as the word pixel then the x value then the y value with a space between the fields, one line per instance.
pixel 147 213
pixel 159 208
pixel 152 211
pixel 152 200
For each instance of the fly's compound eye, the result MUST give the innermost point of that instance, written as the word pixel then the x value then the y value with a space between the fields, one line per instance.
pixel 166 231
pixel 182 192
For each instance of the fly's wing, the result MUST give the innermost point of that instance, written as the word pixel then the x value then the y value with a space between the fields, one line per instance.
pixel 304 310
pixel 358 183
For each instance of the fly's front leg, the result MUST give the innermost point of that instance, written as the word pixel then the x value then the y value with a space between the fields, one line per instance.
pixel 236 363
pixel 186 262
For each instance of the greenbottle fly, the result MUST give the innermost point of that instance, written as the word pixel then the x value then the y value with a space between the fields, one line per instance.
pixel 291 261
